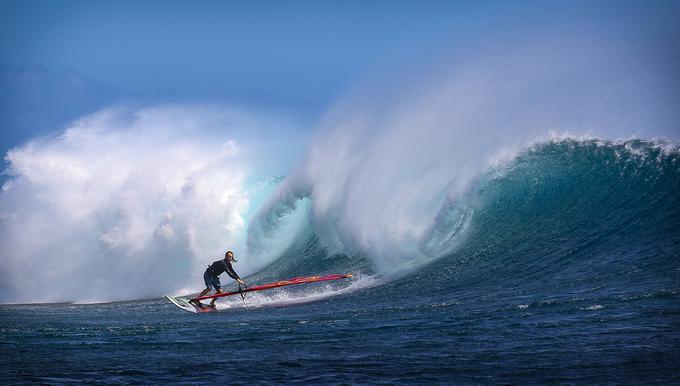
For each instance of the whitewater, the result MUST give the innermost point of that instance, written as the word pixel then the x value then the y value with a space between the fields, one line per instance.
pixel 523 233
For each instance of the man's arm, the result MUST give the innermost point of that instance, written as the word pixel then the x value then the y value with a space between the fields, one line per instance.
pixel 230 271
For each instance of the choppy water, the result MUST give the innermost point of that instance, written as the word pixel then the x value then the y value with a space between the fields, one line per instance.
pixel 567 269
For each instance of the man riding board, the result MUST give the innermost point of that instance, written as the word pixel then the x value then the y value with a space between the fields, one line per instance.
pixel 212 279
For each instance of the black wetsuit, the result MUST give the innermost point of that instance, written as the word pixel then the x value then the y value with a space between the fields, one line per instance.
pixel 219 267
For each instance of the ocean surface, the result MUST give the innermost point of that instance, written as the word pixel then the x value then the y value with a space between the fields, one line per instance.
pixel 561 266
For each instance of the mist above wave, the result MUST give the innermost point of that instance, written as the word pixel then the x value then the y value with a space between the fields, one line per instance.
pixel 392 170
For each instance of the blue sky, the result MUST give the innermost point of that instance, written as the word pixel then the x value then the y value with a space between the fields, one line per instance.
pixel 62 59
pixel 258 45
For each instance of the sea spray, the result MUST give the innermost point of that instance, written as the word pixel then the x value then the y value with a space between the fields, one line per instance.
pixel 393 175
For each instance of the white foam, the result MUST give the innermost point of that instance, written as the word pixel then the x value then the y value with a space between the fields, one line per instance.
pixel 594 307
pixel 297 294
pixel 129 204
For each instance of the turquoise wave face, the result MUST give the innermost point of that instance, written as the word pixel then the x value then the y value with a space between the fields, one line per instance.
pixel 565 215
pixel 572 217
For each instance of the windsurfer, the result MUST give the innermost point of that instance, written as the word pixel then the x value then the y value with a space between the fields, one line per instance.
pixel 211 277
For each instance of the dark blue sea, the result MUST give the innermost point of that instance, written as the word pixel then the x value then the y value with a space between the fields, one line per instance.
pixel 568 272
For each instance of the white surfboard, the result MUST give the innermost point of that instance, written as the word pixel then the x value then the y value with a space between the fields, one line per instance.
pixel 182 303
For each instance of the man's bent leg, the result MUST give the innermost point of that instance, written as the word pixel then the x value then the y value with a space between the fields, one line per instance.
pixel 212 302
pixel 203 293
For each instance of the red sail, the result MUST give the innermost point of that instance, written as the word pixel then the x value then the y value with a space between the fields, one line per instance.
pixel 282 283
